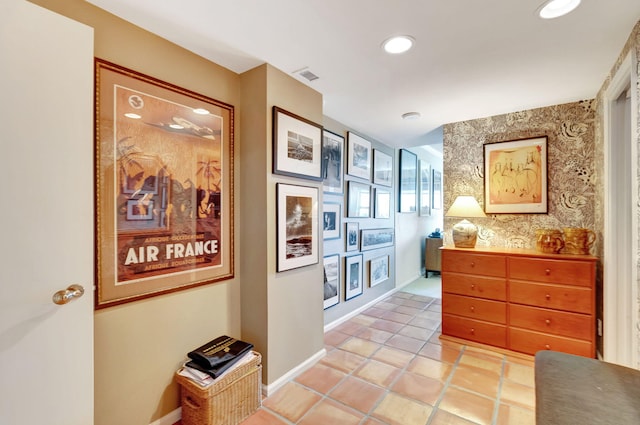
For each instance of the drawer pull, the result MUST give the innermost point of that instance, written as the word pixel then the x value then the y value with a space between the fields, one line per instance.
pixel 547 346
pixel 473 331
pixel 548 321
pixel 548 297
pixel 472 308
pixel 473 264
pixel 548 271
pixel 473 286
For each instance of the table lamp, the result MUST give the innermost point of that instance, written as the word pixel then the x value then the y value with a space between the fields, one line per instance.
pixel 465 233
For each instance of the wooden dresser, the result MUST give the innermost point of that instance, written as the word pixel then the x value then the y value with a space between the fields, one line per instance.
pixel 519 300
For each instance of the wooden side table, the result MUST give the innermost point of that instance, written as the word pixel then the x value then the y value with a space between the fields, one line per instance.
pixel 432 255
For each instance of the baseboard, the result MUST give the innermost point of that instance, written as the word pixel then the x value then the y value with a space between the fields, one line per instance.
pixel 170 418
pixel 268 390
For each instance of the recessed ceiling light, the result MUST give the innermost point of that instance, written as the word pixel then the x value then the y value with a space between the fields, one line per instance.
pixel 410 116
pixel 398 44
pixel 556 8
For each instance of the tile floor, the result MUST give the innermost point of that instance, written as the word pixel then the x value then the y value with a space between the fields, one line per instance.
pixel 387 365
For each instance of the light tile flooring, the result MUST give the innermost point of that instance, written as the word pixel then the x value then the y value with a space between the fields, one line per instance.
pixel 387 365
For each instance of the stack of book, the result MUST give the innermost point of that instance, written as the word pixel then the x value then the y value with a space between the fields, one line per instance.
pixel 214 358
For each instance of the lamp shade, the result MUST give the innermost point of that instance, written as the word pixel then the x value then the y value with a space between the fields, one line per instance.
pixel 465 206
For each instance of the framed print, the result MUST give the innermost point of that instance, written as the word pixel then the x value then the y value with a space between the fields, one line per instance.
pixel 515 177
pixel 382 168
pixel 359 200
pixel 378 270
pixel 358 156
pixel 164 185
pixel 331 280
pixel 297 239
pixel 382 207
pixel 375 238
pixel 297 146
pixel 332 160
pixel 353 276
pixel 408 180
pixel 424 189
pixel 353 236
pixel 330 220
pixel 436 190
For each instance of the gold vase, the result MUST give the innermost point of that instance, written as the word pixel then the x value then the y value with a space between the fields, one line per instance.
pixel 549 241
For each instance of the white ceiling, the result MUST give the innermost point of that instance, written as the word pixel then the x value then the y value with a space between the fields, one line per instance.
pixel 471 58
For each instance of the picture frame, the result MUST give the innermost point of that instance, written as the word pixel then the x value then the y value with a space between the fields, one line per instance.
pixel 424 189
pixel 297 229
pixel 378 270
pixel 297 146
pixel 358 200
pixel 382 168
pixel 382 203
pixel 376 238
pixel 408 181
pixel 352 236
pixel 164 215
pixel 331 220
pixel 331 281
pixel 358 156
pixel 436 189
pixel 353 276
pixel 332 162
pixel 515 176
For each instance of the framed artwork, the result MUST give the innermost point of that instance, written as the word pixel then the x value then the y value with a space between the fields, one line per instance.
pixel 359 200
pixel 164 185
pixel 382 168
pixel 425 189
pixel 297 146
pixel 515 177
pixel 331 220
pixel 382 203
pixel 408 180
pixel 331 280
pixel 436 190
pixel 353 276
pixel 358 156
pixel 297 226
pixel 332 160
pixel 378 270
pixel 376 238
pixel 353 236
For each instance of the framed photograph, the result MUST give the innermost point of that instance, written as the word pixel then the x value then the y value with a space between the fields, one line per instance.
pixel 331 220
pixel 164 185
pixel 297 226
pixel 424 189
pixel 515 177
pixel 378 270
pixel 358 156
pixel 332 160
pixel 382 207
pixel 297 146
pixel 382 168
pixel 376 238
pixel 353 236
pixel 359 200
pixel 331 280
pixel 408 181
pixel 353 276
pixel 436 190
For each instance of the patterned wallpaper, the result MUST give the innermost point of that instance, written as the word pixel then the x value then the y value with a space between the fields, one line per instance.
pixel 572 176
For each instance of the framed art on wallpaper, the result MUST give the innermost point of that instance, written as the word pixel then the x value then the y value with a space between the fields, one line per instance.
pixel 358 156
pixel 378 270
pixel 297 226
pixel 297 146
pixel 353 276
pixel 332 160
pixel 515 176
pixel 331 283
pixel 353 236
pixel 408 180
pixel 331 220
pixel 382 168
pixel 424 189
pixel 164 184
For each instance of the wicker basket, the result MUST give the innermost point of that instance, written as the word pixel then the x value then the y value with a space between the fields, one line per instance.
pixel 228 401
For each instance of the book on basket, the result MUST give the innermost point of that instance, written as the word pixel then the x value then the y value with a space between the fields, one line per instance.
pixel 218 352
pixel 194 370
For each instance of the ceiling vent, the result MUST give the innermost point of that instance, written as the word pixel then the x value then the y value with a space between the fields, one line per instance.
pixel 306 74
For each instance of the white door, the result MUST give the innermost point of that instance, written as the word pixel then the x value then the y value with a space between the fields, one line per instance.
pixel 46 216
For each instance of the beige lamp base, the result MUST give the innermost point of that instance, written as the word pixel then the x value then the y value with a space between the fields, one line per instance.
pixel 464 234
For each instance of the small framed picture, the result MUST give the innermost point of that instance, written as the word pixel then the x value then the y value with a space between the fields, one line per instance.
pixel 376 238
pixel 359 200
pixel 424 189
pixel 382 168
pixel 382 207
pixel 358 156
pixel 353 276
pixel 436 191
pixel 378 270
pixel 332 160
pixel 353 236
pixel 331 280
pixel 331 220
pixel 408 180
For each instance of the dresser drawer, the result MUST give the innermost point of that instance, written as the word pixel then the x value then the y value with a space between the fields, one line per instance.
pixel 569 298
pixel 475 330
pixel 555 322
pixel 477 264
pixel 579 273
pixel 475 286
pixel 475 308
pixel 531 342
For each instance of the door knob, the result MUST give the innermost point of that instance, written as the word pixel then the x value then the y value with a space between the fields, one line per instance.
pixel 65 295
